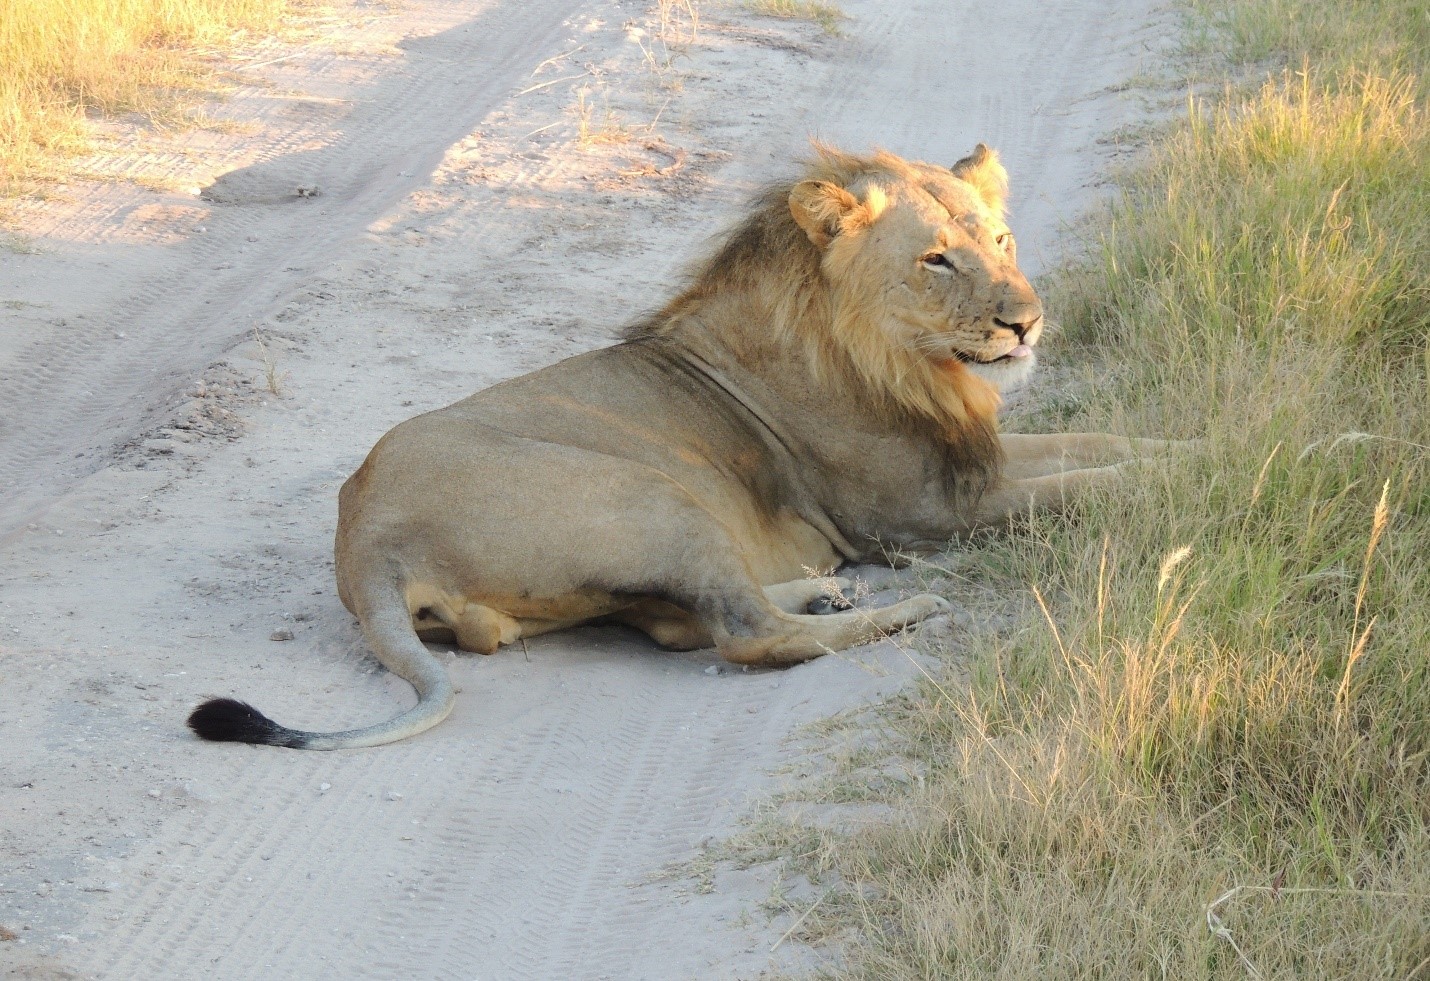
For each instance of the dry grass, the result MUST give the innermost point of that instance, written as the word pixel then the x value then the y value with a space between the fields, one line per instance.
pixel 66 59
pixel 679 21
pixel 1210 756
pixel 826 15
pixel 274 379
pixel 595 128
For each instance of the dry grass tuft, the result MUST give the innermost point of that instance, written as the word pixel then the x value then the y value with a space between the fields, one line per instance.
pixel 592 131
pixel 65 59
pixel 274 379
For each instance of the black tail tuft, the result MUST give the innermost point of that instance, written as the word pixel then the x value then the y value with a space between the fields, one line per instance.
pixel 226 720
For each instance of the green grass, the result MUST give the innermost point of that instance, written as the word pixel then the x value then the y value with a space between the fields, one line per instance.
pixel 1209 754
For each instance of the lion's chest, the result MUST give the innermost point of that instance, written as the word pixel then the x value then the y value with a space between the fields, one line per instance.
pixel 909 495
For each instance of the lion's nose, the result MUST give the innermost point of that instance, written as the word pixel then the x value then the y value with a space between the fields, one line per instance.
pixel 1020 328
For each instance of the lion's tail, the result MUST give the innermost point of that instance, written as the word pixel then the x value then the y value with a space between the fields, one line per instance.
pixel 387 625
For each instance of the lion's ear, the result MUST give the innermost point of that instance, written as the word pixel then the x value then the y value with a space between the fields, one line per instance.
pixel 824 210
pixel 982 169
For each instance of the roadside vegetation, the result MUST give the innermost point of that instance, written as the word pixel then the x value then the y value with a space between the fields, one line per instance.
pixel 1206 751
pixel 67 59
pixel 826 15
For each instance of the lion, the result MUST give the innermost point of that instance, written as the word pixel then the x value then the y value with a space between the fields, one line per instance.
pixel 823 391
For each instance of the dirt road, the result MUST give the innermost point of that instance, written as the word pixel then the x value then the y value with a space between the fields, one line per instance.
pixel 421 202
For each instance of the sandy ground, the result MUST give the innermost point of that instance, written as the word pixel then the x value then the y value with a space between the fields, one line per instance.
pixel 168 477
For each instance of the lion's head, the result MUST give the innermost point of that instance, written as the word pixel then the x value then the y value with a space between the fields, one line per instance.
pixel 900 275
pixel 925 257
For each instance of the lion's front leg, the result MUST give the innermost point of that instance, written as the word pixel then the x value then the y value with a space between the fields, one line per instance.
pixel 1046 472
pixel 1049 492
pixel 1030 456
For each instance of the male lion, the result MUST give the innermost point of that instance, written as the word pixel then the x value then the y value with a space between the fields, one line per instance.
pixel 822 392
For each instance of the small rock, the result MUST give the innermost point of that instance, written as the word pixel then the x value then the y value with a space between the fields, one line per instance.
pixel 323 788
pixel 100 887
pixel 714 669
pixel 196 791
pixel 393 795
pixel 281 635
pixel 154 794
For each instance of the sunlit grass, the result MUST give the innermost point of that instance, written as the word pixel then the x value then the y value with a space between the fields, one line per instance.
pixel 1208 754
pixel 1387 36
pixel 65 59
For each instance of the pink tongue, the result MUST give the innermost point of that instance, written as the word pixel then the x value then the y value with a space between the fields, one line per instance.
pixel 1021 351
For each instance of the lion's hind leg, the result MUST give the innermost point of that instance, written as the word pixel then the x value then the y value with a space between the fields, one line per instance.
pixel 678 630
pixel 666 624
pixel 749 628
pixel 482 629
pixel 480 624
pixel 790 638
pixel 729 609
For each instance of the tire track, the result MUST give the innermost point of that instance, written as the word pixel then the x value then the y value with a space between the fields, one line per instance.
pixel 533 817
pixel 98 388
pixel 236 908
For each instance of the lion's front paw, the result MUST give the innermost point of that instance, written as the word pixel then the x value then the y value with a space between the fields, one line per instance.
pixel 927 605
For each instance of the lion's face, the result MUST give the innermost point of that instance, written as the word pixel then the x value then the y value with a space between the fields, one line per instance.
pixel 926 252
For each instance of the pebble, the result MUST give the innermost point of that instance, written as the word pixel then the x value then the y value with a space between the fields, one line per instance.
pixel 195 790
pixel 714 669
pixel 323 788
pixel 281 635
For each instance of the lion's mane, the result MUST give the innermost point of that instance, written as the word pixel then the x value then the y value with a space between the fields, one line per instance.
pixel 762 294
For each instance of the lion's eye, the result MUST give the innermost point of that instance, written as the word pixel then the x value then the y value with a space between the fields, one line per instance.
pixel 938 260
pixel 1005 240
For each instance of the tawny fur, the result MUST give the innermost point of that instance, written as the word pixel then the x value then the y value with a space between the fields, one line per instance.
pixel 822 391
